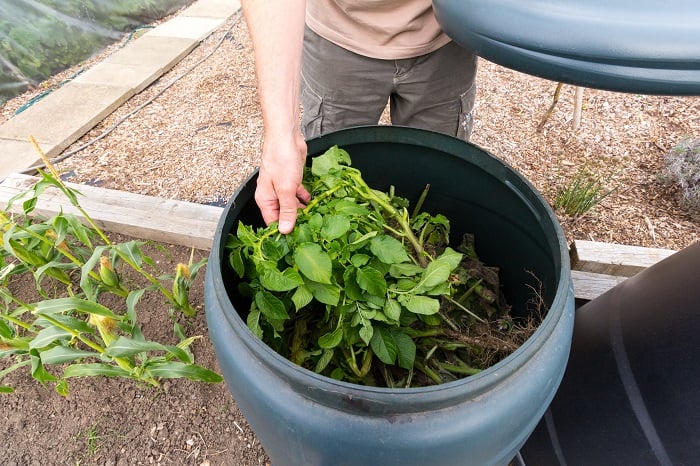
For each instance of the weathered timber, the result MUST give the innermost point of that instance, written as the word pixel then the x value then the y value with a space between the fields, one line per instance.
pixel 144 217
pixel 614 259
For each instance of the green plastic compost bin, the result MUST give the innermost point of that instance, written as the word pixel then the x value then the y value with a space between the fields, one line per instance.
pixel 305 419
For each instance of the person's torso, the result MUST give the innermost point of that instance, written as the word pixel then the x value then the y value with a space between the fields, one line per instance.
pixel 387 29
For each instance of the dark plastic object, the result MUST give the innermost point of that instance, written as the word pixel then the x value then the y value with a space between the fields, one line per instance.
pixel 303 419
pixel 641 46
pixel 631 391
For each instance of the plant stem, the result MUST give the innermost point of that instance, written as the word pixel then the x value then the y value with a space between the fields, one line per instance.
pixel 400 217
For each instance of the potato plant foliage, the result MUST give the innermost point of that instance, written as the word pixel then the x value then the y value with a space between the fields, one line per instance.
pixel 362 291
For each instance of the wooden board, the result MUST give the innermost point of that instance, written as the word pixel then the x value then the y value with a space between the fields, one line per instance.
pixel 145 217
pixel 588 285
pixel 614 259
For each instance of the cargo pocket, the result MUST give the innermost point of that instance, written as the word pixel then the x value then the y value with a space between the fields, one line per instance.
pixel 312 111
pixel 466 113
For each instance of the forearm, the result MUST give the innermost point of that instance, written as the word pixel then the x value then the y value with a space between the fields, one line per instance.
pixel 276 28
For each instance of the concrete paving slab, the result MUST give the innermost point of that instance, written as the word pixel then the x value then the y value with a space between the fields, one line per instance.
pixel 212 8
pixel 135 77
pixel 188 27
pixel 66 114
pixel 160 53
pixel 16 156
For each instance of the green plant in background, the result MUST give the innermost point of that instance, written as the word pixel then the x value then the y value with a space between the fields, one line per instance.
pixel 362 291
pixel 581 194
pixel 682 167
pixel 76 270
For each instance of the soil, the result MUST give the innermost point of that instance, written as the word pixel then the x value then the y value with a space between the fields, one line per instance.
pixel 117 422
pixel 200 138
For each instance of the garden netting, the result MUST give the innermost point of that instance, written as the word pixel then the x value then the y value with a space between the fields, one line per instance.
pixel 39 38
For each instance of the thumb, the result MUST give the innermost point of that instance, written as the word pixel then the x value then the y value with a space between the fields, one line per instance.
pixel 288 215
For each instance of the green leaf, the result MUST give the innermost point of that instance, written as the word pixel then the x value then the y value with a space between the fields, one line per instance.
pixel 235 259
pixel 173 370
pixel 6 389
pixel 420 304
pixel 253 322
pixel 62 354
pixel 388 249
pixel 47 336
pixel 302 297
pixel 38 372
pixel 324 360
pixel 270 306
pixel 78 325
pixel 452 257
pixel 383 346
pixel 273 249
pixel 348 207
pixel 392 309
pixel 124 347
pixel 358 260
pixel 313 262
pixel 5 330
pixel 274 280
pixel 329 161
pixel 332 339
pixel 352 289
pixel 52 306
pixel 436 273
pixel 335 226
pixel 94 369
pixel 371 280
pixel 246 235
pixel 327 294
pixel 366 332
pixel 86 283
pixel 79 230
pixel 405 270
pixel 365 237
pixel 130 252
pixel 406 348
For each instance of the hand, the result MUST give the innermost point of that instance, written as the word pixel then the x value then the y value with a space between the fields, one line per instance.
pixel 279 191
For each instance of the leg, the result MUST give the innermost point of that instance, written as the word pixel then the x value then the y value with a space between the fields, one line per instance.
pixel 436 91
pixel 340 89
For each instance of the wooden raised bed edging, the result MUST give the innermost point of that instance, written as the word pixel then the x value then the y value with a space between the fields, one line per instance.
pixel 596 267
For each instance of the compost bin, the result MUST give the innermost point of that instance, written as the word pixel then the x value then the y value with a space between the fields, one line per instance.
pixel 302 418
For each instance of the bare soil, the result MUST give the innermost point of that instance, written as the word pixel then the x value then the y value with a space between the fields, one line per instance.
pixel 200 138
pixel 117 422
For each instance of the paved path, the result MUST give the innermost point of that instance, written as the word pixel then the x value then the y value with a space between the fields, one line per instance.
pixel 66 114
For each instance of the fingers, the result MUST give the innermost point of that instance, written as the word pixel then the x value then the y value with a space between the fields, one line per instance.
pixel 279 205
pixel 279 192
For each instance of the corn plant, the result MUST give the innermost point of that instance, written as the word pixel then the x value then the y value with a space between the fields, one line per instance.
pixel 68 331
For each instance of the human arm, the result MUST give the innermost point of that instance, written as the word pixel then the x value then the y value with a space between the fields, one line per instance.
pixel 276 29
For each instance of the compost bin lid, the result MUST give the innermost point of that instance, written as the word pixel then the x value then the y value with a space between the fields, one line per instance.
pixel 640 46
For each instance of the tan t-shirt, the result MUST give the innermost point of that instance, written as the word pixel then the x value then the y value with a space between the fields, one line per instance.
pixel 387 29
